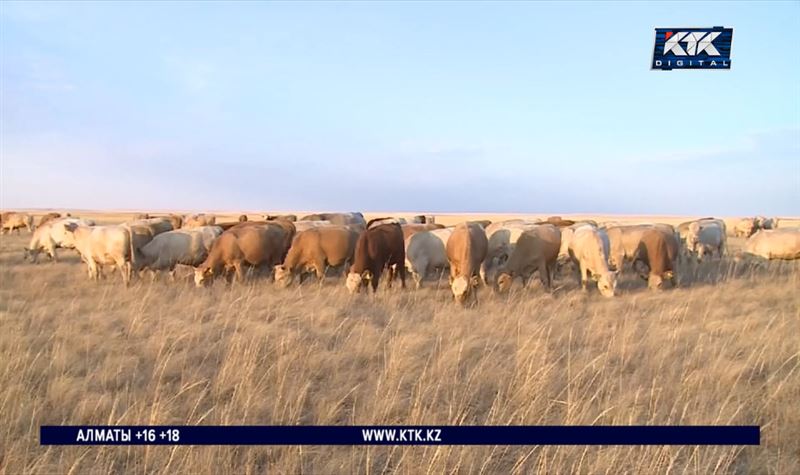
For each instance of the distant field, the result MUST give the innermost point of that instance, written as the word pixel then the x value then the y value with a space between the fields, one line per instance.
pixel 721 349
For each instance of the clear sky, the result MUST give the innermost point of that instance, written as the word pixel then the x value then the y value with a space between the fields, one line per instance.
pixel 486 107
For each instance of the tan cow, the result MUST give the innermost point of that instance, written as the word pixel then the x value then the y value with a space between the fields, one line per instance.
pixel 104 245
pixel 502 237
pixel 425 252
pixel 782 243
pixel 51 236
pixel 536 251
pixel 48 217
pixel 745 227
pixel 588 249
pixel 467 248
pixel 313 250
pixel 253 245
pixel 624 241
pixel 197 220
pixel 656 257
pixel 303 225
pixel 13 221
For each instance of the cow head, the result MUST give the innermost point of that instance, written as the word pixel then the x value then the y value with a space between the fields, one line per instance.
pixel 283 276
pixel 70 227
pixel 607 284
pixel 655 282
pixel 504 281
pixel 29 253
pixel 463 287
pixel 202 275
pixel 355 280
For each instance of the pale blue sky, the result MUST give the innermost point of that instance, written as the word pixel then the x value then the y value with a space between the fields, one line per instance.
pixel 491 107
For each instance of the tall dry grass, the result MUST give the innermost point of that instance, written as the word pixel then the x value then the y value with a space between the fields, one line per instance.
pixel 722 349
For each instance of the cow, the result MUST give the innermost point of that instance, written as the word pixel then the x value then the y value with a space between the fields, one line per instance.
pixel 656 257
pixel 425 252
pixel 536 250
pixel 705 237
pixel 467 248
pixel 197 220
pixel 104 245
pixel 377 248
pixel 624 241
pixel 745 227
pixel 12 221
pixel 144 230
pixel 138 216
pixel 285 217
pixel 423 219
pixel 388 220
pixel 588 250
pixel 502 237
pixel 315 249
pixel 51 236
pixel 411 229
pixel 766 223
pixel 188 247
pixel 245 245
pixel 484 223
pixel 242 218
pixel 48 217
pixel 783 243
pixel 337 218
pixel 559 221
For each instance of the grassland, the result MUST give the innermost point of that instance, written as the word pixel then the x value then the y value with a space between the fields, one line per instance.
pixel 721 349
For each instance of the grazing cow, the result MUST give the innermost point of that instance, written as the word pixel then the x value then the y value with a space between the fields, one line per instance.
pixel 50 236
pixel 188 247
pixel 426 251
pixel 683 228
pixel 389 220
pixel 467 248
pixel 251 245
pixel 242 218
pixel 104 245
pixel 378 248
pixel 745 227
pixel 624 241
pixel 313 250
pixel 588 250
pixel 783 243
pixel 144 230
pixel 138 216
pixel 656 257
pixel 766 223
pixel 502 237
pixel 285 217
pixel 705 237
pixel 536 250
pixel 11 221
pixel 337 218
pixel 197 220
pixel 411 229
pixel 48 217
pixel 423 219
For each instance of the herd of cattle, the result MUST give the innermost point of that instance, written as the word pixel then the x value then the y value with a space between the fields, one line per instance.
pixel 476 253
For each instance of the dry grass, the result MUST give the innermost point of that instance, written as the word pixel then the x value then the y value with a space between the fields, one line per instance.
pixel 722 349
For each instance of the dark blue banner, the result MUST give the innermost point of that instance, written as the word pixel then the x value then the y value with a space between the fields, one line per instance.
pixel 692 48
pixel 400 435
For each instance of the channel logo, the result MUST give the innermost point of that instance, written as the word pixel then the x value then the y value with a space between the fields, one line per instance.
pixel 692 48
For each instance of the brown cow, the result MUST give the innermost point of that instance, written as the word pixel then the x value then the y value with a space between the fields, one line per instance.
pixel 10 221
pixel 656 257
pixel 48 217
pixel 536 250
pixel 256 246
pixel 559 221
pixel 315 249
pixel 377 248
pixel 242 218
pixel 466 250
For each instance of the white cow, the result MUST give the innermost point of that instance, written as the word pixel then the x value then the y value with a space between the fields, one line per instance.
pixel 104 245
pixel 588 248
pixel 706 237
pixel 426 251
pixel 183 246
pixel 52 235
pixel 781 243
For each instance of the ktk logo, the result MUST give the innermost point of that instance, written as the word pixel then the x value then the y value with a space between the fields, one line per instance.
pixel 692 48
pixel 696 43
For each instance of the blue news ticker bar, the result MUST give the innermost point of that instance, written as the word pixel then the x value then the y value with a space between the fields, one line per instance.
pixel 400 435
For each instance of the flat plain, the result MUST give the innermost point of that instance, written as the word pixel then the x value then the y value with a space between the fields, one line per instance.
pixel 722 348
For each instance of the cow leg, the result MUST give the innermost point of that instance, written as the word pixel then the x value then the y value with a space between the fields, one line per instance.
pixel 584 275
pixel 237 267
pixel 376 277
pixel 319 269
pixel 391 271
pixel 401 268
pixel 544 275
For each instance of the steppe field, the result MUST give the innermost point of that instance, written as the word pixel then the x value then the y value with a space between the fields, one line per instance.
pixel 723 348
